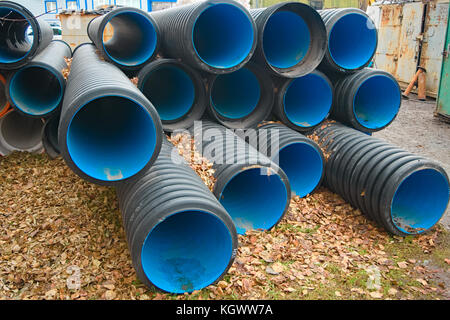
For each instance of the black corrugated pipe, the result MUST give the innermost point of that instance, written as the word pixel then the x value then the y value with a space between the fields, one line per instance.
pixel 216 36
pixel 20 133
pixel 253 189
pixel 135 39
pixel 50 136
pixel 180 237
pixel 292 38
pixel 240 99
pixel 367 100
pixel 404 193
pixel 4 103
pixel 22 36
pixel 352 40
pixel 303 103
pixel 175 90
pixel 298 156
pixel 37 89
pixel 108 131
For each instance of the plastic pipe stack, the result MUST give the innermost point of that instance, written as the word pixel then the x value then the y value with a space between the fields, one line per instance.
pixel 258 80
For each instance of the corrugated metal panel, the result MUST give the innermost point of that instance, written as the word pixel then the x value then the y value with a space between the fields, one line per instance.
pixel 433 45
pixel 443 103
pixel 409 41
pixel 399 28
pixel 400 35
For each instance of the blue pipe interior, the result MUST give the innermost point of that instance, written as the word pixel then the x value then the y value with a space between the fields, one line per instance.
pixel 14 41
pixel 286 39
pixel 187 251
pixel 307 100
pixel 223 35
pixel 303 165
pixel 352 41
pixel 35 90
pixel 133 41
pixel 111 138
pixel 420 201
pixel 235 95
pixel 254 199
pixel 376 102
pixel 171 90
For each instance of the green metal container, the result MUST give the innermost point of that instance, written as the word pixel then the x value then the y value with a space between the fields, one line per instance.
pixel 443 101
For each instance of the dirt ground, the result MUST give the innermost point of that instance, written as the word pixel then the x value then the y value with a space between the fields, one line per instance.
pixel 417 130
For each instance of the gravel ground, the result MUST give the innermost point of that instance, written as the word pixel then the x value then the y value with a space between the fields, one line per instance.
pixel 417 130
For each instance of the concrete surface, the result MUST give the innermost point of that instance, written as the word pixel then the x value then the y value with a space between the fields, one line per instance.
pixel 417 130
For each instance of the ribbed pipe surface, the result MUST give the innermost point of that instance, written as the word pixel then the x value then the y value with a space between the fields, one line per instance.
pixel 135 37
pixel 216 36
pixel 108 131
pixel 240 99
pixel 37 89
pixel 175 90
pixel 22 36
pixel 50 136
pixel 180 237
pixel 368 100
pixel 20 133
pixel 404 193
pixel 4 103
pixel 352 40
pixel 253 189
pixel 292 39
pixel 298 156
pixel 304 102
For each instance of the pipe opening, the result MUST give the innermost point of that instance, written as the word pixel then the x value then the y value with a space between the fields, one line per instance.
pixel 133 40
pixel 171 90
pixel 223 35
pixel 286 39
pixel 307 100
pixel 111 138
pixel 303 166
pixel 21 132
pixel 15 44
pixel 254 199
pixel 187 251
pixel 235 95
pixel 35 90
pixel 376 102
pixel 420 201
pixel 352 41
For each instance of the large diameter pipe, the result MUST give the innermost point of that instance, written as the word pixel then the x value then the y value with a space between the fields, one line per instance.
pixel 175 90
pixel 352 40
pixel 37 89
pixel 292 39
pixel 404 193
pixel 298 156
pixel 368 100
pixel 240 99
pixel 180 237
pixel 216 36
pixel 304 102
pixel 253 189
pixel 135 39
pixel 20 133
pixel 22 36
pixel 108 132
